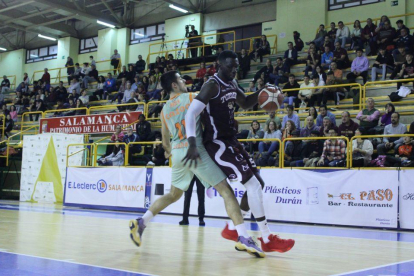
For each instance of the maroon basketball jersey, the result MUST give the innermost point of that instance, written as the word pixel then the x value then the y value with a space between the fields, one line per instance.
pixel 218 116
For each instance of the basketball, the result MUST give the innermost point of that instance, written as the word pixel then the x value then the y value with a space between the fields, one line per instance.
pixel 271 98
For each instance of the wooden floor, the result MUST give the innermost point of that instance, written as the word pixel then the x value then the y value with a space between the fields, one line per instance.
pixel 101 239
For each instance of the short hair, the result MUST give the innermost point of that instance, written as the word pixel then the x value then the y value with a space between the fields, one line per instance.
pixel 323 106
pixel 77 63
pixel 359 50
pixel 291 75
pixel 326 118
pixel 225 55
pixel 400 21
pixel 340 22
pixel 290 42
pixel 322 25
pixel 289 106
pixel 398 114
pixel 90 56
pixel 141 115
pixel 349 115
pixel 167 79
pixel 333 23
pixel 279 58
pixel 109 74
pixel 327 46
pixel 306 76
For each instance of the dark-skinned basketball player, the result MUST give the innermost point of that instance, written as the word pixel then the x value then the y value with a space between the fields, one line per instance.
pixel 217 99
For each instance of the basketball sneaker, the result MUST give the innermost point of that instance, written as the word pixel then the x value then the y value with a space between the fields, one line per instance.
pixel 277 244
pixel 249 245
pixel 137 227
pixel 229 234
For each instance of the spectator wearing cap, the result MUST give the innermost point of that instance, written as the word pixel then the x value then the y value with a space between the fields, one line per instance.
pixel 323 112
pixel 394 128
pixel 334 151
pixel 309 127
pixel 5 85
pixel 342 34
pixel 383 63
pixel 294 151
pixel 362 150
pixel 320 36
pixel 359 67
pixel 348 126
pixel 369 117
pixel 407 69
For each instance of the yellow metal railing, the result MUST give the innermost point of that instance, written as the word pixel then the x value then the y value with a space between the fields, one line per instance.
pixel 252 39
pixel 45 113
pixel 8 143
pixel 372 83
pixel 13 81
pixel 96 145
pixel 147 107
pixel 88 153
pixel 126 105
pixel 30 123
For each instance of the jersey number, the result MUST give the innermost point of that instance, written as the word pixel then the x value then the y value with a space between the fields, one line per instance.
pixel 180 128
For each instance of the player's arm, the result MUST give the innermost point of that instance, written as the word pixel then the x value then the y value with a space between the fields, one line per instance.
pixel 165 133
pixel 245 101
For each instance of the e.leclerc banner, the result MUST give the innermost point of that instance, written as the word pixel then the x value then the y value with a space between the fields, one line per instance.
pixel 87 124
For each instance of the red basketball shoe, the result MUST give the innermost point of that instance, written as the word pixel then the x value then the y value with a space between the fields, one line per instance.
pixel 229 234
pixel 276 244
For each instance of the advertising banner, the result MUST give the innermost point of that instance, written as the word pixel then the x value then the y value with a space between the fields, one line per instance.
pixel 88 124
pixel 118 187
pixel 406 199
pixel 348 197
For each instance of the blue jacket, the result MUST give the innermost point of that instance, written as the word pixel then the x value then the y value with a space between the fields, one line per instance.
pixel 133 138
pixel 319 119
pixel 110 83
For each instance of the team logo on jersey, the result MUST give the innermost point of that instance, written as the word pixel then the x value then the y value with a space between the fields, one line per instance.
pixel 239 158
pixel 230 105
pixel 245 167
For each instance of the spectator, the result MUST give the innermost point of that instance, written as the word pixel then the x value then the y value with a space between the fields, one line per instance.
pixel 267 70
pixel 333 93
pixel 22 88
pixel 313 112
pixel 334 151
pixel 342 34
pixel 61 91
pixel 356 36
pixel 362 150
pixel 60 105
pixel 127 93
pixel 394 128
pixel 251 88
pixel 157 108
pixel 99 89
pixel 70 105
pixel 326 126
pixel 26 79
pixel 80 108
pixel 5 85
pixel 158 154
pixel 116 158
pixel 158 64
pixel 132 137
pixel 91 77
pixel 121 90
pixel 46 79
pixel 369 117
pixel 118 135
pixel 401 26
pixel 326 43
pixel 255 132
pixel 291 96
pixel 137 82
pixel 411 130
pixel 76 74
pixel 309 127
pixel 386 118
pixel 338 73
pixel 84 97
pixel 187 200
pixel 317 92
pixel 320 36
pixel 109 86
pixel 327 58
pixel 294 151
pixel 305 95
pixel 384 18
pixel 272 133
pixel 131 73
pixel 13 113
pixel 404 156
pixel 348 126
pixel 287 132
pixel 298 41
pixel 279 75
pixel 122 75
pixel 200 73
pixel 74 88
pixel 171 62
pixel 85 70
pixel 323 110
pixel 385 35
pixel 115 59
pixel 290 58
pixel 399 59
pixel 140 65
pixel 212 69
pixel 38 106
pixel 8 125
pixel 193 42
pixel 70 68
pixel 332 32
pixel 404 38
pixel 341 56
pixel 262 48
pixel 407 69
pixel 313 151
pixel 383 63
pixel 291 116
pixel 359 67
pixel 312 61
pixel 92 61
pixel 244 61
pixel 143 129
pixel 368 38
pixel 273 118
pixel 197 87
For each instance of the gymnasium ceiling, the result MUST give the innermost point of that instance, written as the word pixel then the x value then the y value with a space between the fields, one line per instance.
pixel 22 20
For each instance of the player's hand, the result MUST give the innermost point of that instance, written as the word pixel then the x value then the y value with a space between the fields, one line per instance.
pixel 192 155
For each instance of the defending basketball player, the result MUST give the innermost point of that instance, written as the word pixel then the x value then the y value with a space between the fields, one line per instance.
pixel 172 119
pixel 217 99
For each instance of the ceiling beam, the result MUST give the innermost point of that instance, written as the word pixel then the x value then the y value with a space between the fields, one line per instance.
pixel 29 15
pixel 15 6
pixel 52 22
pixel 112 12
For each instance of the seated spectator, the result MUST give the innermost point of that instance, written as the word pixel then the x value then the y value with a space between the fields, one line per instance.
pixel 170 62
pixel 348 126
pixel 115 59
pixel 122 75
pixel 262 48
pixel 400 28
pixel 197 87
pixel 74 88
pixel 131 73
pixel 368 117
pixel 368 38
pixel 313 151
pixel 383 19
pixel 267 70
pixel 340 56
pixel 291 116
pixel 320 36
pixel 287 131
pixel 333 93
pixel 157 108
pixel 22 88
pixel 60 91
pixel 5 85
pixel 98 94
pixel 313 60
pixel 334 151
pixel 326 43
pixel 359 67
pixel 132 137
pixel 76 73
pixel 109 86
pixel 404 156
pixel 137 82
pixel 26 79
pixel 92 61
pixel 121 90
pixel 251 88
pixel 386 35
pixel 127 93
pixel 394 128
pixel 323 112
pixel 137 103
pixel 342 34
pixel 71 104
pixel 386 118
pixel 272 133
pixel 255 132
pixel 356 36
pixel 404 38
pixel 13 113
pixel 60 105
pixel 158 154
pixel 38 106
pixel 8 125
pixel 327 58
pixel 273 118
pixel 200 73
pixel 298 41
pixel 338 73
pixel 278 75
pixel 309 127
pixel 244 61
pixel 332 32
pixel 294 151
pixel 140 65
pixel 383 63
pixel 362 150
pixel 407 69
pixel 118 135
pixel 92 76
pixel 143 129
pixel 305 95
pixel 84 97
pixel 290 58
pixel 116 158
pixel 80 108
pixel 212 69
pixel 317 95
pixel 399 59
pixel 291 96
pixel 4 110
pixel 326 126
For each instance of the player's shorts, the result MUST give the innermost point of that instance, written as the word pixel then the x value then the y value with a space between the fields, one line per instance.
pixel 207 171
pixel 232 159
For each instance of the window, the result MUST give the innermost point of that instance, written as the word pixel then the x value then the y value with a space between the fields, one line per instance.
pixel 87 45
pixel 148 33
pixel 41 54
pixel 341 4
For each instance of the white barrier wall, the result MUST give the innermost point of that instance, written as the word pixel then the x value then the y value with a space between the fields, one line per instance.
pixel 406 199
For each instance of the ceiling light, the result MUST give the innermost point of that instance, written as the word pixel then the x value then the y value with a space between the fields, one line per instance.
pixel 105 24
pixel 3 49
pixel 177 8
pixel 138 34
pixel 46 37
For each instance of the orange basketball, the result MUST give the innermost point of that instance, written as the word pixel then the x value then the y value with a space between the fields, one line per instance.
pixel 270 98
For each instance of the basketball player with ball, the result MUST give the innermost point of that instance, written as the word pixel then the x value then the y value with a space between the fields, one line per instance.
pixel 217 99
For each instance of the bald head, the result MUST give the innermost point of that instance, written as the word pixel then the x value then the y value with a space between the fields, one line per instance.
pixel 309 121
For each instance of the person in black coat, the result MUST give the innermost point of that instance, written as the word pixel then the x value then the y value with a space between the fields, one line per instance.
pixel 143 129
pixel 244 61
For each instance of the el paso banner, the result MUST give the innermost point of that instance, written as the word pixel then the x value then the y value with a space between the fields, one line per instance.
pixel 88 124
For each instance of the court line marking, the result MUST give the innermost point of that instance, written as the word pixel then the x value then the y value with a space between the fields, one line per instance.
pixel 374 267
pixel 77 263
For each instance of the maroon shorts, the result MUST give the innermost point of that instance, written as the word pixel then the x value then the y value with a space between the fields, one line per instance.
pixel 232 159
